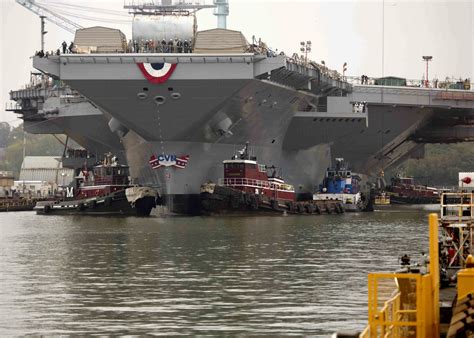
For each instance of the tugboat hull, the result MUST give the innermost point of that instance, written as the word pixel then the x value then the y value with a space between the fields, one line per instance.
pixel 396 199
pixel 216 199
pixel 351 202
pixel 114 204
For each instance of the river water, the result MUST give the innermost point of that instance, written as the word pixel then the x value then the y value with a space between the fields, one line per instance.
pixel 200 275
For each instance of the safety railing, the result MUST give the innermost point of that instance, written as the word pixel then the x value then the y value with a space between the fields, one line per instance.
pixel 457 207
pixel 448 83
pixel 397 312
pixel 406 304
pixel 253 183
pixel 12 106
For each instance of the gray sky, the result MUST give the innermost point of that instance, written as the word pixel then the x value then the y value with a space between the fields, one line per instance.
pixel 341 31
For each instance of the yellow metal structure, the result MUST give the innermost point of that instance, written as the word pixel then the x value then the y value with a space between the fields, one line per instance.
pixel 382 199
pixel 466 279
pixel 457 207
pixel 462 324
pixel 406 304
pixel 457 219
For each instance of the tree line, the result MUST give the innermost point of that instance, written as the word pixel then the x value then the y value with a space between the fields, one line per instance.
pixel 12 139
pixel 440 165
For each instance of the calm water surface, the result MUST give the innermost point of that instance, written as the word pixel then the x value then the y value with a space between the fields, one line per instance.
pixel 164 276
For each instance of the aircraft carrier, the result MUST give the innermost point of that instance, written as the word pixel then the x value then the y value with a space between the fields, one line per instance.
pixel 192 110
pixel 50 107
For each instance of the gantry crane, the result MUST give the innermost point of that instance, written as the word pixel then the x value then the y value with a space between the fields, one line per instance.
pixel 51 16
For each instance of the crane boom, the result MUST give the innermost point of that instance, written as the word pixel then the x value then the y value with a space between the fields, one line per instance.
pixel 49 15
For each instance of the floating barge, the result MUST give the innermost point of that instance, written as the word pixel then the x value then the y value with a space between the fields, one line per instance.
pixel 16 204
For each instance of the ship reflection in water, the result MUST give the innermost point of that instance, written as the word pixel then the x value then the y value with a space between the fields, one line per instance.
pixel 267 275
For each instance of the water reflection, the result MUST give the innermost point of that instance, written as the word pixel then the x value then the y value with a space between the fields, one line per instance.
pixel 164 276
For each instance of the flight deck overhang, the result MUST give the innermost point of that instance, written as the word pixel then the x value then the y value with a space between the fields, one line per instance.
pixel 413 96
pixel 188 66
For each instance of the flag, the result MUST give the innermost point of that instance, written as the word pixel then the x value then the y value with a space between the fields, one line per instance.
pixel 182 161
pixel 154 162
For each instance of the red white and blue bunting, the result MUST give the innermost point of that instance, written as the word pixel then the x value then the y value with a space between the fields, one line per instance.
pixel 168 161
pixel 157 72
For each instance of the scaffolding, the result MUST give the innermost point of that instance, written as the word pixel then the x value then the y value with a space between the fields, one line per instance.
pixel 457 224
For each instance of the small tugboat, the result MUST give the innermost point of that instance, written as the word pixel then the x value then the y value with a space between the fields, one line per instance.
pixel 381 200
pixel 403 190
pixel 341 184
pixel 105 191
pixel 248 186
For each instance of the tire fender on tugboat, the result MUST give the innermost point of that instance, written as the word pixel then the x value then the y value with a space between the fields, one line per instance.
pixel 274 204
pixel 317 209
pixel 254 202
pixel 108 201
pixel 92 204
pixel 247 199
pixel 300 208
pixel 328 208
pixel 46 209
pixel 341 208
pixel 234 201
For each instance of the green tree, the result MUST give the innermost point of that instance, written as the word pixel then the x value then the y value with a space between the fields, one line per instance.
pixel 35 145
pixel 5 130
pixel 441 164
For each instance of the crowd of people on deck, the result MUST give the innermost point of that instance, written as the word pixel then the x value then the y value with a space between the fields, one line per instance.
pixel 164 46
pixel 78 153
pixel 63 49
pixel 136 46
pixel 185 46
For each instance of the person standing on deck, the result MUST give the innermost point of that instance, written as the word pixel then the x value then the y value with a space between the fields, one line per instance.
pixel 163 46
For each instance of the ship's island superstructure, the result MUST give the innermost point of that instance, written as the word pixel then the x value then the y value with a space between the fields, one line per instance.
pixel 179 101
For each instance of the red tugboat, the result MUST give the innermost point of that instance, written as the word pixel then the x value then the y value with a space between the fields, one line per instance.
pixel 250 186
pixel 403 190
pixel 105 191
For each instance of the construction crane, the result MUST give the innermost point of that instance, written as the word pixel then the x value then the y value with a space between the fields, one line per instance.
pixel 45 13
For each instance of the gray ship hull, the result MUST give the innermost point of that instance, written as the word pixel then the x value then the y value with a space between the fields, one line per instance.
pixel 180 187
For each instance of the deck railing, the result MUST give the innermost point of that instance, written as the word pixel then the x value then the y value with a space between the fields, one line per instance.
pixel 457 207
pixel 252 183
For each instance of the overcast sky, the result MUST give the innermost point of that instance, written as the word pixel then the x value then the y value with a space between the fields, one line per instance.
pixel 340 31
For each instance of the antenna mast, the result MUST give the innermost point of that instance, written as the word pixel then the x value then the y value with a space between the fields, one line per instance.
pixel 221 11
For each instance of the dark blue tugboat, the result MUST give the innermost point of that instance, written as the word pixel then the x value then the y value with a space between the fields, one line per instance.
pixel 343 185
